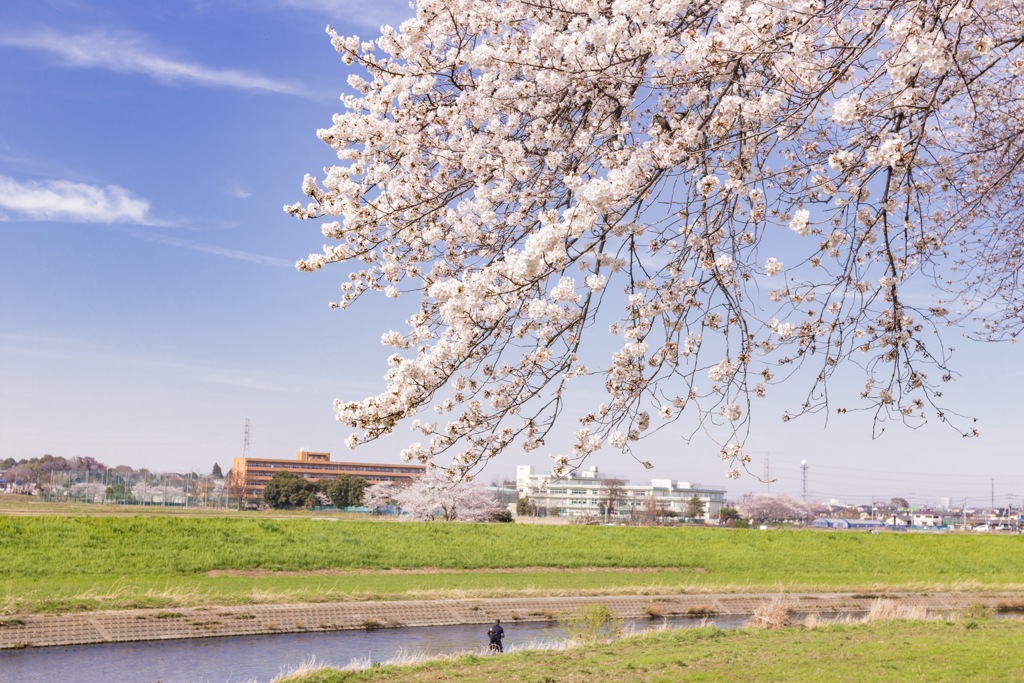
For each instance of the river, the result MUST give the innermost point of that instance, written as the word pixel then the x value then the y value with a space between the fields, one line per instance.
pixel 243 659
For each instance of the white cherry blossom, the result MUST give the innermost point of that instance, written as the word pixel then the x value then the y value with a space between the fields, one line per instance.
pixel 530 175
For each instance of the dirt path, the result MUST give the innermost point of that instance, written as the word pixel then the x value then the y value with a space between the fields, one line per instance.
pixel 155 624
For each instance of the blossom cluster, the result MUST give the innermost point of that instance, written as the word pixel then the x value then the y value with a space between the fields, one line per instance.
pixel 536 173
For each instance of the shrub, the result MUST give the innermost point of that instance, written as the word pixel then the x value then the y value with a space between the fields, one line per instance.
pixel 770 615
pixel 594 624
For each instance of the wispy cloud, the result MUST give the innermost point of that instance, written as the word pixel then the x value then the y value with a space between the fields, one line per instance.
pixel 235 254
pixel 84 351
pixel 370 15
pixel 65 200
pixel 237 191
pixel 129 53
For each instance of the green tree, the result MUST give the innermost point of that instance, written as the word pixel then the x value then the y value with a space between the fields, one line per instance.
pixel 356 487
pixel 899 504
pixel 289 490
pixel 730 516
pixel 217 471
pixel 525 507
pixel 728 513
pixel 345 491
pixel 118 491
pixel 503 516
pixel 695 507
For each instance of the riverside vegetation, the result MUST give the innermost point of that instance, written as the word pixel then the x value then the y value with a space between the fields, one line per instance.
pixel 891 642
pixel 52 563
pixel 936 651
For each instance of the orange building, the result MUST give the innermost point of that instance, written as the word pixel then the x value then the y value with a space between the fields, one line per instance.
pixel 314 466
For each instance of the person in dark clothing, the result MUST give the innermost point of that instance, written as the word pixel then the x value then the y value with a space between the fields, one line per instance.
pixel 495 634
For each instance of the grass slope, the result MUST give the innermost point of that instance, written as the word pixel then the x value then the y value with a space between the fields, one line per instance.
pixel 937 652
pixel 49 562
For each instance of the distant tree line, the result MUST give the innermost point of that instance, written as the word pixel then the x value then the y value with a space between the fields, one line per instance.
pixel 86 479
pixel 36 469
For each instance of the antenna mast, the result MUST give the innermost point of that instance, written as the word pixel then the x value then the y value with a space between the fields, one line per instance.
pixel 245 445
pixel 803 466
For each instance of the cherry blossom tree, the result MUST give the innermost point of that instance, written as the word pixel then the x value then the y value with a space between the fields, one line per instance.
pixel 91 491
pixel 378 496
pixel 682 203
pixel 765 507
pixel 436 497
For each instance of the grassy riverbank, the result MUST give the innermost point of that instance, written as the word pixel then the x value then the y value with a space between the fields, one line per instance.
pixel 933 651
pixel 59 563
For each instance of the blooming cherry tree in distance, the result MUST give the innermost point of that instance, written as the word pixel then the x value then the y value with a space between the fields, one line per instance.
pixel 378 496
pixel 765 507
pixel 679 204
pixel 433 496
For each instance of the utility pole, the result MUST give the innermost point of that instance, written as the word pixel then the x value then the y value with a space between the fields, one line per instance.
pixel 768 471
pixel 803 466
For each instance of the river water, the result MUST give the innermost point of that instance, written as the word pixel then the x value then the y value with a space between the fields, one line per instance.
pixel 261 658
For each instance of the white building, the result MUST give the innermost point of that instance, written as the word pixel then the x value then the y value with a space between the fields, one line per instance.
pixel 927 519
pixel 592 493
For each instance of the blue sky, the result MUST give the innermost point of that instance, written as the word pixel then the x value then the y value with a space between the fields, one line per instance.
pixel 149 303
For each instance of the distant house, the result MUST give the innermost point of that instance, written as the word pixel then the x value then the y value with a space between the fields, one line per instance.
pixel 926 518
pixel 899 520
pixel 953 518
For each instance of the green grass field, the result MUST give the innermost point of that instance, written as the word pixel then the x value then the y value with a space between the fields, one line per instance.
pixel 60 558
pixel 932 651
pixel 55 563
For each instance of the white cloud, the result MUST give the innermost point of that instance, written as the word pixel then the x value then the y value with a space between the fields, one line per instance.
pixel 235 254
pixel 126 53
pixel 65 200
pixel 370 15
pixel 237 191
pixel 84 352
